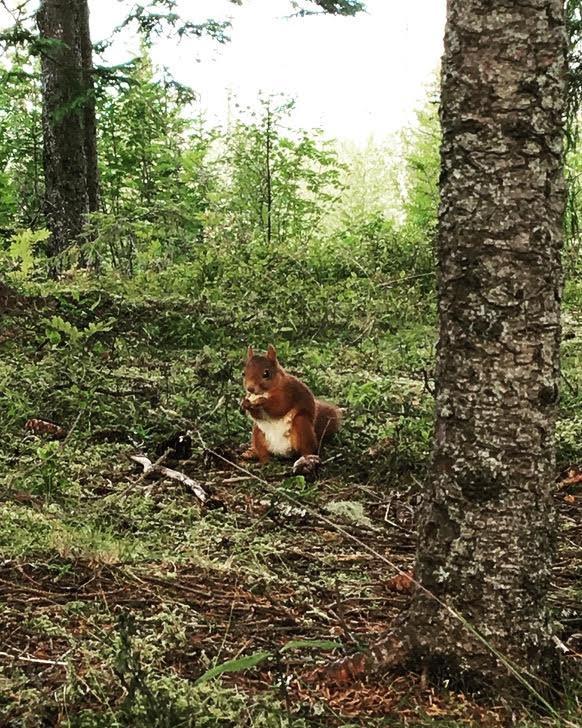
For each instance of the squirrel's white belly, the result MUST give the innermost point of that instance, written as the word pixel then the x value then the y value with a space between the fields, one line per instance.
pixel 277 434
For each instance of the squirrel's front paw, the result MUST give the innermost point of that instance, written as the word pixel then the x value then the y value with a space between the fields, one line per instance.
pixel 252 407
pixel 306 465
pixel 249 454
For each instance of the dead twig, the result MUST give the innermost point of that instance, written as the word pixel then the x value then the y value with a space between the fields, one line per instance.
pixel 156 467
pixel 427 386
pixel 36 660
pixel 72 428
pixel 143 476
pixel 398 281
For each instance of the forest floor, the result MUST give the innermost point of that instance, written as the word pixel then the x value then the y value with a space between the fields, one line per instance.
pixel 118 591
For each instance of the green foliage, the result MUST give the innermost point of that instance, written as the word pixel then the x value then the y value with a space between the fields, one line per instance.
pixel 22 249
pixel 370 185
pixel 50 469
pixel 573 173
pixel 237 665
pixel 139 358
pixel 155 181
pixel 299 489
pixel 422 148
pixel 278 186
pixel 58 330
pixel 573 14
pixel 159 17
pixel 334 7
pixel 21 172
pixel 241 664
pixel 171 186
pixel 209 240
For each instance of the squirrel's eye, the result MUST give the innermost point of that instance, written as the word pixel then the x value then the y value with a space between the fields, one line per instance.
pixel 267 374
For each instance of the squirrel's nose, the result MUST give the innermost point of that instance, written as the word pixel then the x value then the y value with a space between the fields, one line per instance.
pixel 252 389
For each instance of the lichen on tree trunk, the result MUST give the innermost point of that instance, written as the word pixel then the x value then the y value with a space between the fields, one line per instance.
pixel 487 527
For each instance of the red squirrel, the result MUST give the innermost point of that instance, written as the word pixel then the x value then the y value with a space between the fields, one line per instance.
pixel 288 420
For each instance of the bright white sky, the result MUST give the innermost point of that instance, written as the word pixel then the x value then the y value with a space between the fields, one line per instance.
pixel 353 77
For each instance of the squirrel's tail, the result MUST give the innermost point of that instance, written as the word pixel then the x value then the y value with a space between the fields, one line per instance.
pixel 327 419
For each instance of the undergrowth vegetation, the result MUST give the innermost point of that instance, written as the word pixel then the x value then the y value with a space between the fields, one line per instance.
pixel 120 591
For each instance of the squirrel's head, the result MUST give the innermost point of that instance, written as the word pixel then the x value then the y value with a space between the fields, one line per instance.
pixel 262 373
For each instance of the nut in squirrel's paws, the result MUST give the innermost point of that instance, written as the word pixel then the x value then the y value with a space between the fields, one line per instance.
pixel 306 465
pixel 253 401
pixel 254 398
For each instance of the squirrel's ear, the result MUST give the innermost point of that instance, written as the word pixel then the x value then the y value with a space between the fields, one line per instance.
pixel 250 353
pixel 271 353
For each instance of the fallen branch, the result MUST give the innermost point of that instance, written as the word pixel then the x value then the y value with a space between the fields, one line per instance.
pixel 36 660
pixel 142 477
pixel 149 467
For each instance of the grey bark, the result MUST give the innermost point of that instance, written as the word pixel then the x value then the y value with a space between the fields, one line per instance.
pixel 486 529
pixel 69 128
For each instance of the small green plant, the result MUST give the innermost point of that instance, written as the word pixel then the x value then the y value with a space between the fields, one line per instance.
pixel 246 663
pixel 59 331
pixel 299 488
pixel 51 478
pixel 22 250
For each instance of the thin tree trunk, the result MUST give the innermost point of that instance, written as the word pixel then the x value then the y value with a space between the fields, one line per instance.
pixel 487 526
pixel 69 130
pixel 269 180
pixel 89 115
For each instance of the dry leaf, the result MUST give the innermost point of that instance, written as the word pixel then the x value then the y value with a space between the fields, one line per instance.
pixel 346 670
pixel 573 477
pixel 42 427
pixel 381 447
pixel 401 582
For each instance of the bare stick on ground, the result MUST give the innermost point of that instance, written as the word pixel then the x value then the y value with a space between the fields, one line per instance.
pixel 150 467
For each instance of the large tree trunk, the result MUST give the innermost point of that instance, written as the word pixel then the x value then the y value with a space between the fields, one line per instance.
pixel 487 526
pixel 69 129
